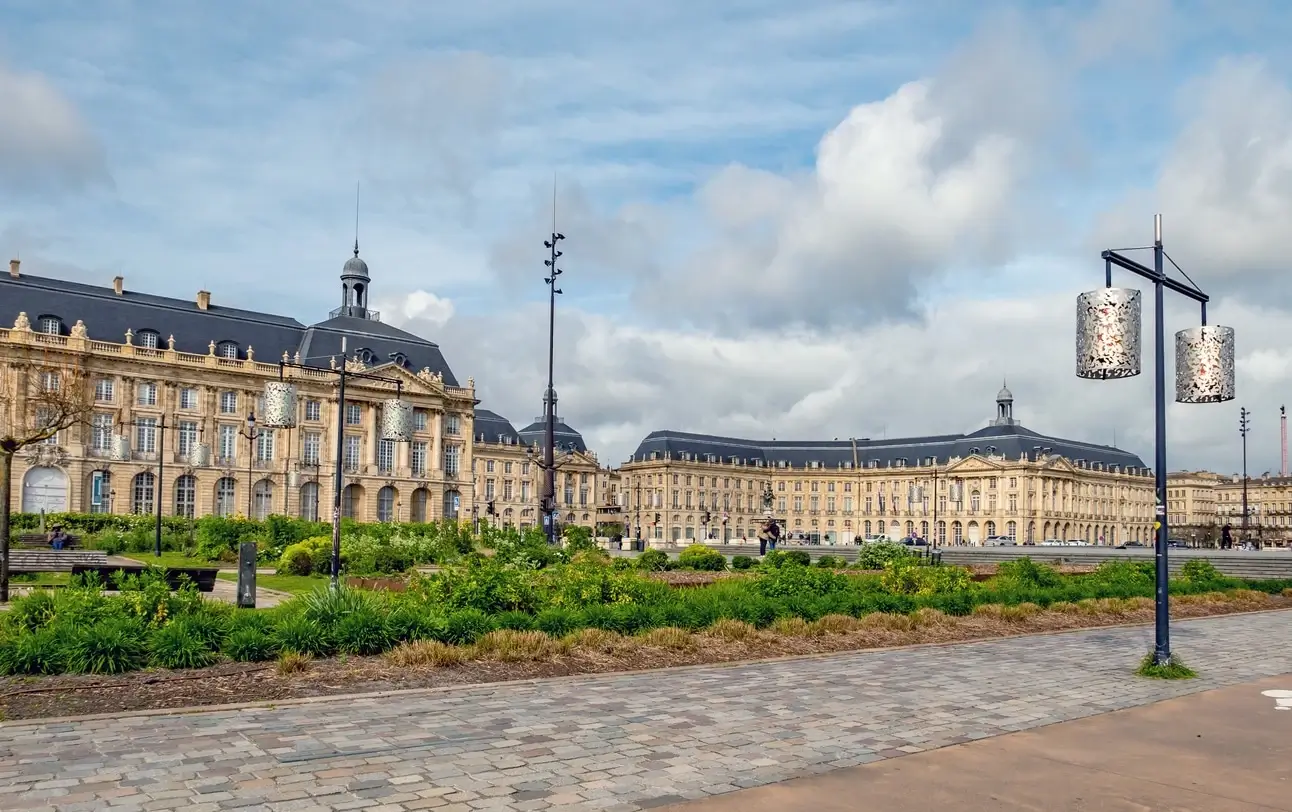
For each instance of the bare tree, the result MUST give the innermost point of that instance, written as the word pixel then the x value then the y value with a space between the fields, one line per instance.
pixel 40 395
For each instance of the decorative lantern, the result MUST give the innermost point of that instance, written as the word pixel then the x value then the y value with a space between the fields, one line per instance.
pixel 293 479
pixel 280 405
pixel 120 449
pixel 200 456
pixel 1108 333
pixel 397 421
pixel 1204 365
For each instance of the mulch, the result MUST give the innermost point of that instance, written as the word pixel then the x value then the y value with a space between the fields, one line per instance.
pixel 44 697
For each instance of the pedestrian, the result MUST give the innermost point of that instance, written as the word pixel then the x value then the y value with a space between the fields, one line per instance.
pixel 1226 537
pixel 774 533
pixel 763 535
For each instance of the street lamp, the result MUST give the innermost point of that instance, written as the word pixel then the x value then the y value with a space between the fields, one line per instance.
pixel 1108 346
pixel 160 427
pixel 549 397
pixel 250 433
pixel 549 464
pixel 1244 423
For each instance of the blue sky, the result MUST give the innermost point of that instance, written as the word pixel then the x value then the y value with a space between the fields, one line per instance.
pixel 194 145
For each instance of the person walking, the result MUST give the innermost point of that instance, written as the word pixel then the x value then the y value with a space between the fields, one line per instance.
pixel 1226 537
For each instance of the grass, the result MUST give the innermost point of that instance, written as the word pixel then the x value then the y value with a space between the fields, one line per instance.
pixel 173 560
pixel 1171 669
pixel 291 584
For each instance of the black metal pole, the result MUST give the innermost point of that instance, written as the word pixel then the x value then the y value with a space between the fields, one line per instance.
pixel 549 398
pixel 338 482
pixel 161 475
pixel 1243 415
pixel 1162 613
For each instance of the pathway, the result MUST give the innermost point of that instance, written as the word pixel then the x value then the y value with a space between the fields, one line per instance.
pixel 616 742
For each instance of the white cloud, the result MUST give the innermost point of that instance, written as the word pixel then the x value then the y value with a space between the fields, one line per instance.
pixel 418 306
pixel 44 141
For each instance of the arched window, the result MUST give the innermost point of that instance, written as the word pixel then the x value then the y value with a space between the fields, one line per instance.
pixel 351 499
pixel 866 528
pixel 149 339
pixel 142 491
pixel 386 504
pixel 942 533
pixel 1011 530
pixel 227 349
pixel 309 502
pixel 420 500
pixel 452 504
pixel 186 496
pixel 991 528
pixel 226 489
pixel 957 533
pixel 262 499
pixel 910 529
pixel 924 530
pixel 49 325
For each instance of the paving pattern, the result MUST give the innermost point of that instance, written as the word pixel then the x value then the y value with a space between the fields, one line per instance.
pixel 613 742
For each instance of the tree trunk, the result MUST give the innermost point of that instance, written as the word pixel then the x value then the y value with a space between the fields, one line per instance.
pixel 6 478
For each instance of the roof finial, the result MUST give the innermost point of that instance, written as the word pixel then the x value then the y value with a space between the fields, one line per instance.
pixel 356 218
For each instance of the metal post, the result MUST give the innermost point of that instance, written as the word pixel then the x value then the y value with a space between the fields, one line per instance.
pixel 549 431
pixel 161 471
pixel 1243 423
pixel 338 483
pixel 1162 614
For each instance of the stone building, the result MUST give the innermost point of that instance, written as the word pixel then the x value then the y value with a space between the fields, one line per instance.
pixel 1004 479
pixel 1202 502
pixel 177 383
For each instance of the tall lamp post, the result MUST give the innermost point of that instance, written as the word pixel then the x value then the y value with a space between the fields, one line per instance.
pixel 251 434
pixel 549 398
pixel 1108 346
pixel 1244 423
pixel 280 412
pixel 160 426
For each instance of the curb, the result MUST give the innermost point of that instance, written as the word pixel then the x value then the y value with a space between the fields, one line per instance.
pixel 416 692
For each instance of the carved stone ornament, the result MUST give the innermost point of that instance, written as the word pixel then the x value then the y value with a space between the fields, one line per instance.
pixel 251 353
pixel 1108 333
pixel 130 336
pixel 170 343
pixel 210 348
pixel 21 323
pixel 79 331
pixel 1204 365
pixel 45 455
pixel 355 365
pixel 280 405
pixel 286 358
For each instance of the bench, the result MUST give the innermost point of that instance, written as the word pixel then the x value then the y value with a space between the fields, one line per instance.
pixel 202 577
pixel 54 560
pixel 39 541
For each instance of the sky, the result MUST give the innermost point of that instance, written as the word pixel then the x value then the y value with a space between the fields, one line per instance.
pixel 808 220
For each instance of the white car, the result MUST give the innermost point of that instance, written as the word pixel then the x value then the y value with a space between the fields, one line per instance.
pixel 1052 543
pixel 999 541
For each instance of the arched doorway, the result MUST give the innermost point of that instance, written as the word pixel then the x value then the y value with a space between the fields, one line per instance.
pixel 351 501
pixel 452 504
pixel 386 500
pixel 44 488
pixel 308 508
pixel 971 533
pixel 262 499
pixel 420 500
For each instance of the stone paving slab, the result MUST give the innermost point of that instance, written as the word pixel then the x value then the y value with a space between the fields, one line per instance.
pixel 626 742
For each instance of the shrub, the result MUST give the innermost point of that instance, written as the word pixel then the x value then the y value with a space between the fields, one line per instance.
pixel 732 630
pixel 515 621
pixel 877 555
pixel 209 626
pixel 791 579
pixel 702 557
pixel 557 621
pixel 578 539
pixel 511 646
pixel 466 626
pixel 799 557
pixel 293 662
pixel 112 646
pixel 306 557
pixel 300 635
pixel 407 623
pixel 248 644
pixel 830 562
pixel 423 653
pixel 1200 571
pixel 32 653
pixel 669 637
pixel 362 632
pixel 179 645
pixel 653 560
pixel 32 611
pixel 742 562
pixel 905 576
pixel 1025 572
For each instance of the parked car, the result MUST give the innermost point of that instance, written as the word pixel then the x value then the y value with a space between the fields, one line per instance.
pixel 1130 545
pixel 999 541
pixel 1076 543
pixel 1052 543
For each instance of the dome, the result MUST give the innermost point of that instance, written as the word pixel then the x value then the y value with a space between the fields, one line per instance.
pixel 355 266
pixel 1004 394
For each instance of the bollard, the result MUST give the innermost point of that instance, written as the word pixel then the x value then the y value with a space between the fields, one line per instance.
pixel 247 575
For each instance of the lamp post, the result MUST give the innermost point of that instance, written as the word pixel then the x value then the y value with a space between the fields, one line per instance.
pixel 161 427
pixel 251 434
pixel 280 412
pixel 549 398
pixel 1108 346
pixel 1244 423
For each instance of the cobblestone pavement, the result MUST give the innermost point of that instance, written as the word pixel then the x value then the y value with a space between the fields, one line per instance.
pixel 613 742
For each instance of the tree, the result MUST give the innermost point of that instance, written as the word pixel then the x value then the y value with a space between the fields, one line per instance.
pixel 39 397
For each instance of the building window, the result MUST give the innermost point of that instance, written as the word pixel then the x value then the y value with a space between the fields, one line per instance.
pixel 146 394
pixel 417 457
pixel 386 504
pixel 310 444
pixel 186 496
pixel 228 449
pixel 141 499
pixel 420 498
pixel 506 490
pixel 353 414
pixel 104 389
pixel 350 458
pixel 227 349
pixel 225 492
pixel 101 432
pixel 312 410
pixel 49 381
pixel 146 435
pixel 419 420
pixel 265 445
pixel 451 424
pixel 228 403
pixel 452 459
pixel 50 325
pixel 262 499
pixel 524 491
pixel 351 496
pixel 148 339
pixel 385 456
pixel 309 502
pixel 187 437
pixel 188 398
pixel 104 492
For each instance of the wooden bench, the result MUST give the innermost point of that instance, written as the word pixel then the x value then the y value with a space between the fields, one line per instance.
pixel 202 577
pixel 39 541
pixel 54 560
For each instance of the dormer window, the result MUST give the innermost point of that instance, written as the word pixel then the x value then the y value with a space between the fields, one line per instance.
pixel 367 356
pixel 149 339
pixel 399 359
pixel 50 325
pixel 227 349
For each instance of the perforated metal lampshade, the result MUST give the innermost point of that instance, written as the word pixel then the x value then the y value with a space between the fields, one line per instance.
pixel 397 421
pixel 1204 365
pixel 280 405
pixel 200 456
pixel 120 449
pixel 1108 333
pixel 293 479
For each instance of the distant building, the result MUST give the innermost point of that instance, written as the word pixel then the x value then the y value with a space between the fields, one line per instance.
pixel 1202 502
pixel 1003 479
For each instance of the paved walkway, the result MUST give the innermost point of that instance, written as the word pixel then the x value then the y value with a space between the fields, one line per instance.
pixel 615 742
pixel 1227 750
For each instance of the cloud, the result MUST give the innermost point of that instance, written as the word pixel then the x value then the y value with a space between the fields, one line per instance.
pixel 1224 186
pixel 419 306
pixel 45 144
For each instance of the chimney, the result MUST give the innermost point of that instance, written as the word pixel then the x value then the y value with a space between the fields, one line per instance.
pixel 13 267
pixel 118 284
pixel 203 300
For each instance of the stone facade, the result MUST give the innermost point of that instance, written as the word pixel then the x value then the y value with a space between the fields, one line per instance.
pixel 1203 502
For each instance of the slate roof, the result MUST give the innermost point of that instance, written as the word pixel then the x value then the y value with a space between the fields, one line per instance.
pixel 564 437
pixel 107 316
pixel 491 427
pixel 1008 441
